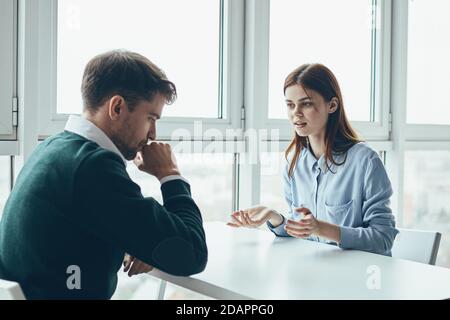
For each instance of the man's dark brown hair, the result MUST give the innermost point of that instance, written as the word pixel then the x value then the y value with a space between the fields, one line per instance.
pixel 124 73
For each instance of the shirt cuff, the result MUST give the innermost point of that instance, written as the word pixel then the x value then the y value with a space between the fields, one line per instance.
pixel 172 177
pixel 348 237
pixel 279 230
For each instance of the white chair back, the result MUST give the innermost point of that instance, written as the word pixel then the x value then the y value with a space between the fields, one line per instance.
pixel 417 245
pixel 10 290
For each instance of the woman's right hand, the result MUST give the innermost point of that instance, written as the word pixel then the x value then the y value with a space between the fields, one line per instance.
pixel 253 217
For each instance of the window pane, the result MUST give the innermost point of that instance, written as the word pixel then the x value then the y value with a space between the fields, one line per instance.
pixel 305 31
pixel 210 177
pixel 426 198
pixel 272 166
pixel 4 181
pixel 6 65
pixel 428 63
pixel 184 45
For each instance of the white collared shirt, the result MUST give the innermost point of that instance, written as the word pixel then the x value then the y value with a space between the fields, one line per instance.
pixel 90 131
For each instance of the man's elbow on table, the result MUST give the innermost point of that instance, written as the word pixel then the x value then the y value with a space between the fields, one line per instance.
pixel 180 258
pixel 197 265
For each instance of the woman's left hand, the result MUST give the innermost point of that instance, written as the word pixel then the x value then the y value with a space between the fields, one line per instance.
pixel 307 226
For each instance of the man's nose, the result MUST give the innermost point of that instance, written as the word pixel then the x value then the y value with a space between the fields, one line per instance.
pixel 151 135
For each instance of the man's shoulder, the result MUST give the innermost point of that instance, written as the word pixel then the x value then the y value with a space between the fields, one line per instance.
pixel 78 148
pixel 97 156
pixel 67 142
pixel 95 159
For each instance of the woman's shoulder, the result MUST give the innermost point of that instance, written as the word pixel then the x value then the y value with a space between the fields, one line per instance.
pixel 362 151
pixel 288 158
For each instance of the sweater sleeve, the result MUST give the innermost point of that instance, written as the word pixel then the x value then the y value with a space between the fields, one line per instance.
pixel 110 205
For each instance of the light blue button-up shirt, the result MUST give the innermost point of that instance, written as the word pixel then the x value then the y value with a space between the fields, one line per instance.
pixel 355 196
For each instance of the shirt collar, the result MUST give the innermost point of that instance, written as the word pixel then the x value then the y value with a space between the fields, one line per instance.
pixel 311 160
pixel 90 131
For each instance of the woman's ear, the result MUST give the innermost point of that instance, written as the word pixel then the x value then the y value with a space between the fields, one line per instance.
pixel 333 105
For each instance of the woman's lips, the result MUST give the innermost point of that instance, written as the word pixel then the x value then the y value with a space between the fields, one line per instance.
pixel 300 125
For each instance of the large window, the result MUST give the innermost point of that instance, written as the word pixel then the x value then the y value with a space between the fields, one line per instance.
pixel 323 31
pixel 182 37
pixel 428 62
pixel 272 167
pixel 210 177
pixel 426 196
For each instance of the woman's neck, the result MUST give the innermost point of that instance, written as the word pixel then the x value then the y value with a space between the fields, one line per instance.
pixel 317 145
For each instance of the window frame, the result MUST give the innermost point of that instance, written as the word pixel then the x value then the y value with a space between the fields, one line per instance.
pixel 379 128
pixel 406 136
pixel 413 131
pixel 246 56
pixel 8 76
pixel 427 132
pixel 419 132
pixel 256 105
pixel 50 122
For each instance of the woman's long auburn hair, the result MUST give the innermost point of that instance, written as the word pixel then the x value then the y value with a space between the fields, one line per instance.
pixel 339 136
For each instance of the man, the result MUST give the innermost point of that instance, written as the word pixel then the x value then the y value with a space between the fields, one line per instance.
pixel 74 211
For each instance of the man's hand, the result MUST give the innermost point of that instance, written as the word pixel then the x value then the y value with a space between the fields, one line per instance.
pixel 135 266
pixel 157 159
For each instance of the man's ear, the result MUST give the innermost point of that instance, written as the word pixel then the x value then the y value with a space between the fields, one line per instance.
pixel 116 106
pixel 334 105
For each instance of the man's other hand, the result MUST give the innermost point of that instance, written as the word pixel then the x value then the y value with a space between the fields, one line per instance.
pixel 135 266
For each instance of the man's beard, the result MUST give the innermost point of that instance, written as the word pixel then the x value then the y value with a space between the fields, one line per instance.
pixel 126 151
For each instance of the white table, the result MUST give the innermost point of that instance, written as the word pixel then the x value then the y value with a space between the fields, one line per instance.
pixel 254 264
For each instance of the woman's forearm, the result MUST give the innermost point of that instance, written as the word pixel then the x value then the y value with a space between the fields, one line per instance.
pixel 329 231
pixel 275 219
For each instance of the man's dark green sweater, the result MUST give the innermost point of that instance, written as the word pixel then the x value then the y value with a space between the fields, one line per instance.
pixel 74 205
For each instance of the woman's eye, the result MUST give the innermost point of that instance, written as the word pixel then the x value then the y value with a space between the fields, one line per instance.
pixel 307 104
pixel 290 105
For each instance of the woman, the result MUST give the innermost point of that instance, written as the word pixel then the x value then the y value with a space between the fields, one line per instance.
pixel 333 180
